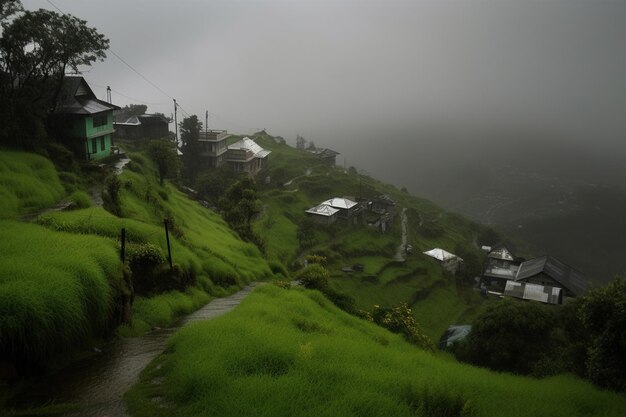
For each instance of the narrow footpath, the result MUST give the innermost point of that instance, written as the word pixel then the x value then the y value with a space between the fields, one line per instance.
pixel 401 251
pixel 96 385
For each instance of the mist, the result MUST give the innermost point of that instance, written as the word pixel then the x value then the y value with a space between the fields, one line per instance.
pixel 510 112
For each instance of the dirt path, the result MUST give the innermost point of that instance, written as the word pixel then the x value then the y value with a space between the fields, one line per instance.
pixel 96 385
pixel 401 251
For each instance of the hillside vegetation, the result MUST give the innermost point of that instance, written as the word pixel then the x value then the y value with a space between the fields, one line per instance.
pixel 291 352
pixel 299 180
pixel 62 281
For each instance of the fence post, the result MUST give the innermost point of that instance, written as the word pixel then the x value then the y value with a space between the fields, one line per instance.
pixel 167 238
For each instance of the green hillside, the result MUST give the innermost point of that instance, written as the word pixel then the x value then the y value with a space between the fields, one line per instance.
pixel 299 180
pixel 291 352
pixel 62 281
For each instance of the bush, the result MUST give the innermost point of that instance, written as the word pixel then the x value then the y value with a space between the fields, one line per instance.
pixel 313 277
pixel 144 261
pixel 510 336
pixel 400 320
pixel 603 314
pixel 80 200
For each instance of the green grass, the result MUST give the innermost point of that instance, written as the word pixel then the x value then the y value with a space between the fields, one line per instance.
pixel 55 288
pixel 297 354
pixel 162 310
pixel 28 182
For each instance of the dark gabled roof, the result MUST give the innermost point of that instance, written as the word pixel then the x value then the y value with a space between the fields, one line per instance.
pixel 76 97
pixel 562 273
pixel 326 153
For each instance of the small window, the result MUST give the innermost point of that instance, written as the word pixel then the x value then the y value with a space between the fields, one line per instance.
pixel 100 120
pixel 94 145
pixel 102 143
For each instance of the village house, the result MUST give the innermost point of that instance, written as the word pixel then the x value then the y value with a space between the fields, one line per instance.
pixel 213 148
pixel 328 156
pixel 448 261
pixel 84 121
pixel 143 126
pixel 323 214
pixel 380 211
pixel 549 271
pixel 501 266
pixel 247 156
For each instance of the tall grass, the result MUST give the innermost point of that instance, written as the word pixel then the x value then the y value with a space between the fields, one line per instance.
pixel 28 182
pixel 55 288
pixel 291 352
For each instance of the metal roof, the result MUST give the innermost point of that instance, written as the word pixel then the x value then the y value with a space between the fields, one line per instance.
pixel 250 145
pixel 323 210
pixel 440 254
pixel 501 253
pixel 528 291
pixel 76 97
pixel 562 273
pixel 340 203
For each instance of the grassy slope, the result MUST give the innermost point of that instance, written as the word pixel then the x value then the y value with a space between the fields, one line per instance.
pixel 59 278
pixel 297 354
pixel 383 282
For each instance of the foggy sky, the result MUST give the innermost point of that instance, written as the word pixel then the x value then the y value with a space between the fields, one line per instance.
pixel 324 68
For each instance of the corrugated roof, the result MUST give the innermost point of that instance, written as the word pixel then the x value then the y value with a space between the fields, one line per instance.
pixel 527 291
pixel 340 203
pixel 76 97
pixel 323 210
pixel 562 273
pixel 250 145
pixel 501 253
pixel 440 254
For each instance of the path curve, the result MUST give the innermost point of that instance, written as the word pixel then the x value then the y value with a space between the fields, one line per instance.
pixel 98 383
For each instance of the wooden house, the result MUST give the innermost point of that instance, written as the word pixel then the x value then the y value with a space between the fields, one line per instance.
pixel 328 156
pixel 148 126
pixel 547 270
pixel 85 123
pixel 501 266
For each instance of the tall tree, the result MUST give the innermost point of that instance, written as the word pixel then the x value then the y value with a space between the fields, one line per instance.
pixel 189 136
pixel 36 48
pixel 163 154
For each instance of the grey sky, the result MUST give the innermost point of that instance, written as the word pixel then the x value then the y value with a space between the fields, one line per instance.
pixel 319 67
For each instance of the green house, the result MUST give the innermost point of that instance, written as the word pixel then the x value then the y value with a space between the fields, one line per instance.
pixel 84 123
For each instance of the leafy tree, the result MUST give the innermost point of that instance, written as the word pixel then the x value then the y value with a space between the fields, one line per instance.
pixel 238 206
pixel 510 336
pixel 214 183
pixel 603 313
pixel 189 136
pixel 306 233
pixel 163 154
pixel 36 48
pixel 300 142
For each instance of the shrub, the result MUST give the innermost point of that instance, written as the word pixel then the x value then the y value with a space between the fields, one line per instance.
pixel 80 199
pixel 313 277
pixel 400 320
pixel 144 261
pixel 316 259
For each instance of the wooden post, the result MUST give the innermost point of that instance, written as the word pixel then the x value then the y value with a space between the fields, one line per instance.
pixel 167 238
pixel 123 247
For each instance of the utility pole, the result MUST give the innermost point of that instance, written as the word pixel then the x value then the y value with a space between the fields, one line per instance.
pixel 167 239
pixel 176 122
pixel 108 94
pixel 206 125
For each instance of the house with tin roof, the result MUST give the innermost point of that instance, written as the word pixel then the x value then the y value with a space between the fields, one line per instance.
pixel 323 214
pixel 549 271
pixel 501 266
pixel 148 126
pixel 247 156
pixel 85 123
pixel 448 261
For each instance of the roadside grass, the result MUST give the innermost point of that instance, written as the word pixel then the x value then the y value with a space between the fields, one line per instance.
pixel 55 288
pixel 28 182
pixel 162 310
pixel 297 354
